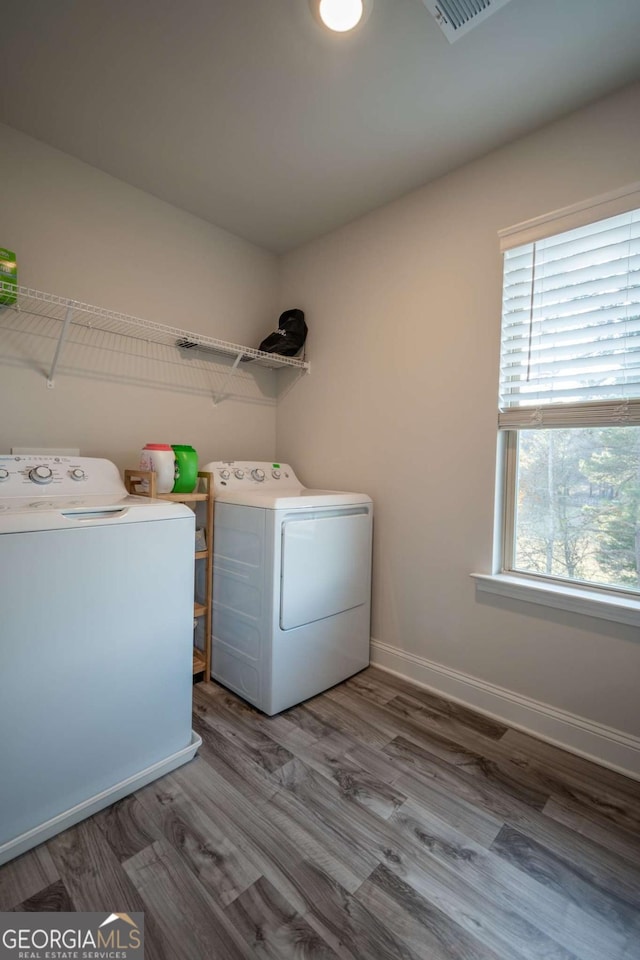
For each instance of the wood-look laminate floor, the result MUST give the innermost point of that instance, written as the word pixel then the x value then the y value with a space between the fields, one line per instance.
pixel 374 821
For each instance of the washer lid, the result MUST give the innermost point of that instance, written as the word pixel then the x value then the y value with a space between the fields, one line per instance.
pixel 31 514
pixel 301 499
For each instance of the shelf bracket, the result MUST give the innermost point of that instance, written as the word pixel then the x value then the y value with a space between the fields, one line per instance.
pixel 61 339
pixel 220 395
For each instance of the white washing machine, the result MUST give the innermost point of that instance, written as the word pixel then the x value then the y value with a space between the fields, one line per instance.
pixel 96 632
pixel 291 584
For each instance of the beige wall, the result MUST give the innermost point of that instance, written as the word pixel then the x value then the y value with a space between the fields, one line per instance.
pixel 84 235
pixel 404 313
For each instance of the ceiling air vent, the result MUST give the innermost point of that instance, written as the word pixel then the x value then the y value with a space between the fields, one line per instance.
pixel 457 17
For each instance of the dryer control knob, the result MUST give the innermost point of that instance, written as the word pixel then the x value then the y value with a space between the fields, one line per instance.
pixel 238 474
pixel 225 474
pixel 4 474
pixel 275 474
pixel 258 475
pixel 41 474
pixel 78 474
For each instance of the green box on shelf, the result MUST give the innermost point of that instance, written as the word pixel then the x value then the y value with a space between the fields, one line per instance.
pixel 8 276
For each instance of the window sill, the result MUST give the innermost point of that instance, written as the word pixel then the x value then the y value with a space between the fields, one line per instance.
pixel 589 603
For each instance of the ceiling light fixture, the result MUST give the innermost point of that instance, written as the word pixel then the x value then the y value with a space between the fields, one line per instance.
pixel 341 15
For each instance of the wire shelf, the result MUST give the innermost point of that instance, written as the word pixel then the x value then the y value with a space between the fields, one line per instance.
pixel 75 319
pixel 110 321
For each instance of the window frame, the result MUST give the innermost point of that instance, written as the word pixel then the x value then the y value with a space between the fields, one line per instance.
pixel 507 535
pixel 594 600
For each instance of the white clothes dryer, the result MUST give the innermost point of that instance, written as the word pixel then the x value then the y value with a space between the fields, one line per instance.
pixel 291 584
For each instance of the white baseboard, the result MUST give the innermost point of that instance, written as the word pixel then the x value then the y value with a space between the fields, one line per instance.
pixel 587 738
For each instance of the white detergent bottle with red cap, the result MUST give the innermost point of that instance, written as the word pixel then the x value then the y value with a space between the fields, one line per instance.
pixel 160 458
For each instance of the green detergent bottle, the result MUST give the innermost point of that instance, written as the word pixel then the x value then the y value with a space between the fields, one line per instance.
pixel 186 477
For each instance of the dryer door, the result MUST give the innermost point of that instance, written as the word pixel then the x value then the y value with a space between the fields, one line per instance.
pixel 325 566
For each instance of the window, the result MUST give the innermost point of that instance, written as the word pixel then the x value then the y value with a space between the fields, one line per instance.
pixel 570 398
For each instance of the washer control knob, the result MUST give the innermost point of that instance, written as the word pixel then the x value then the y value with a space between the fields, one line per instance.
pixel 225 474
pixel 238 474
pixel 41 474
pixel 275 474
pixel 258 475
pixel 78 474
pixel 4 474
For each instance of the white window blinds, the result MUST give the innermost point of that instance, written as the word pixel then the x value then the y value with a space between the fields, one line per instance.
pixel 570 352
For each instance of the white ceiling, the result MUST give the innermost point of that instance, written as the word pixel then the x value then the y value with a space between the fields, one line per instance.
pixel 248 114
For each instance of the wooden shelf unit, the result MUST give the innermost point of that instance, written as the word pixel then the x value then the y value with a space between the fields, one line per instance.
pixel 134 480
